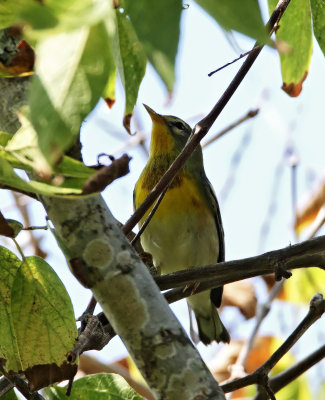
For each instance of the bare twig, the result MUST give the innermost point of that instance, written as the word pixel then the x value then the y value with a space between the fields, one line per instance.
pixel 230 63
pixel 23 209
pixel 316 310
pixel 202 127
pixel 239 366
pixel 284 378
pixel 149 217
pixel 106 175
pixel 250 114
pixel 5 386
pixel 20 384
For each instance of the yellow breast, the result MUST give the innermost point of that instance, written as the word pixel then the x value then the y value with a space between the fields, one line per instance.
pixel 182 233
pixel 182 196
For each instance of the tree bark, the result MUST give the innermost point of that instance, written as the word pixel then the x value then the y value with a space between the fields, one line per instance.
pixel 104 261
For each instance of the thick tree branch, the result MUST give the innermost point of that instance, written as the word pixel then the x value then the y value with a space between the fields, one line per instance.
pixel 202 127
pixel 308 254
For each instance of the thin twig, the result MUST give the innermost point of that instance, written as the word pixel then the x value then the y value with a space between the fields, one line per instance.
pixel 262 313
pixel 23 209
pixel 202 127
pixel 21 385
pixel 5 386
pixel 230 63
pixel 149 217
pixel 250 114
pixel 316 310
pixel 35 228
pixel 284 378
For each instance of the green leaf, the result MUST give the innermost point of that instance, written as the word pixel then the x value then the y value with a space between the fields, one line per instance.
pixel 96 387
pixel 11 395
pixel 318 13
pixel 295 31
pixel 42 314
pixel 4 138
pixel 69 167
pixel 8 177
pixel 23 147
pixel 15 225
pixel 53 16
pixel 109 91
pixel 22 152
pixel 72 72
pixel 9 350
pixel 243 16
pixel 158 29
pixel 129 58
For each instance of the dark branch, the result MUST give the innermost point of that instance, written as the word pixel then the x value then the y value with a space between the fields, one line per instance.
pixel 303 255
pixel 307 254
pixel 284 378
pixel 316 310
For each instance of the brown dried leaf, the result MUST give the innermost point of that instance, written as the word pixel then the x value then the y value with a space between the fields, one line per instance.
pixel 22 63
pixel 242 295
pixel 107 175
pixel 40 376
pixel 294 89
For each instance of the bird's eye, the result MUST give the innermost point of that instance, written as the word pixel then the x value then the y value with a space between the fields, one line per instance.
pixel 179 126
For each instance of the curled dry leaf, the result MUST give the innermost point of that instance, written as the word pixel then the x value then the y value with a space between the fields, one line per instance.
pixel 107 175
pixel 242 295
pixel 43 375
pixel 22 63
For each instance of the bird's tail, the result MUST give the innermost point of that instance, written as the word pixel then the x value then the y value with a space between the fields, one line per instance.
pixel 211 328
pixel 209 323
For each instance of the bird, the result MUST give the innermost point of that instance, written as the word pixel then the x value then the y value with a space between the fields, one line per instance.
pixel 186 230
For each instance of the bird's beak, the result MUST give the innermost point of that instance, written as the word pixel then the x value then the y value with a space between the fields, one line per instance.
pixel 155 117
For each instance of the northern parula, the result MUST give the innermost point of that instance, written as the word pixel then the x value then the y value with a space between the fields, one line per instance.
pixel 186 230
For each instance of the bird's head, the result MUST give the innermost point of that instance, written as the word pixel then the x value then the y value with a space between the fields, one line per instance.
pixel 169 134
